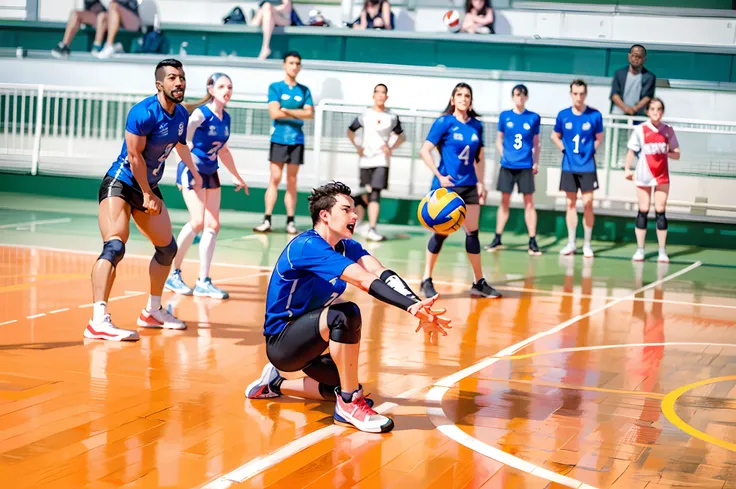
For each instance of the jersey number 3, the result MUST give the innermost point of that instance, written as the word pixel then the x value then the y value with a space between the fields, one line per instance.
pixel 518 143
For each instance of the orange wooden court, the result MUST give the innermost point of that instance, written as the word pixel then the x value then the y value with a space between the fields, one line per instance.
pixel 587 374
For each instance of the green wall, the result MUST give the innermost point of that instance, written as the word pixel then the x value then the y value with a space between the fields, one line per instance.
pixel 394 211
pixel 421 50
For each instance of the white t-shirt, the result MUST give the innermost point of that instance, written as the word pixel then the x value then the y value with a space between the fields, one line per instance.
pixel 632 92
pixel 377 130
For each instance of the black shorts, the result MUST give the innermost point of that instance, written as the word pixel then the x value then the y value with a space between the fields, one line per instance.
pixel 572 182
pixel 522 178
pixel 299 346
pixel 375 178
pixel 293 154
pixel 468 193
pixel 112 187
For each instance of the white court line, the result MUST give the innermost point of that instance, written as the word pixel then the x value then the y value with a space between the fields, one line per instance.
pixel 35 223
pixel 445 425
pixel 55 311
pixel 260 464
pixel 626 345
pixel 9 322
pixel 36 316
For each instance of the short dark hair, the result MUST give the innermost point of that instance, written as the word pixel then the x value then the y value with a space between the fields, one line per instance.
pixel 655 99
pixel 380 85
pixel 292 54
pixel 174 63
pixel 578 82
pixel 323 198
pixel 640 47
pixel 521 88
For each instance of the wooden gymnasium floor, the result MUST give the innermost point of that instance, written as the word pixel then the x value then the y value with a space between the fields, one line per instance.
pixel 584 375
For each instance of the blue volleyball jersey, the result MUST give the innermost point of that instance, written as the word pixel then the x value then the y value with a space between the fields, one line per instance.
pixel 578 138
pixel 162 132
pixel 518 131
pixel 289 131
pixel 459 145
pixel 208 138
pixel 307 277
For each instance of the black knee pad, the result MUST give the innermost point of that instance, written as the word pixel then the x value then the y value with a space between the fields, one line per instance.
pixel 345 323
pixel 661 220
pixel 113 251
pixel 359 202
pixel 472 243
pixel 374 196
pixel 435 243
pixel 165 254
pixel 641 220
pixel 327 391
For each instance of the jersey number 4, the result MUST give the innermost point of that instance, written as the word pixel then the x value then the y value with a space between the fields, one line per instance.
pixel 162 159
pixel 464 155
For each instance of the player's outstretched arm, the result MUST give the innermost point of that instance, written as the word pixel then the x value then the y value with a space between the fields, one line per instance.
pixel 389 277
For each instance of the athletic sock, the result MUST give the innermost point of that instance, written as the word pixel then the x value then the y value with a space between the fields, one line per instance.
pixel 289 219
pixel 183 242
pixel 206 251
pixel 154 303
pixel 99 311
pixel 267 217
pixel 571 236
pixel 347 396
pixel 588 233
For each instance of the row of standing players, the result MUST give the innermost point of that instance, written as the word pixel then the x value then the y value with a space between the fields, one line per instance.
pixel 301 323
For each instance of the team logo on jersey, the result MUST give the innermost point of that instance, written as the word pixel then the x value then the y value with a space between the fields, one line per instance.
pixel 586 126
pixel 333 281
pixel 213 131
pixel 510 124
pixel 457 136
pixel 474 137
pixel 298 98
pixel 181 128
pixel 527 126
pixel 163 129
pixel 454 128
pixel 568 125
pixel 285 96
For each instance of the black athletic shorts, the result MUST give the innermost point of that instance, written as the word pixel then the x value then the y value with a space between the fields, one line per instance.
pixel 376 178
pixel 572 182
pixel 112 187
pixel 522 178
pixel 468 193
pixel 293 154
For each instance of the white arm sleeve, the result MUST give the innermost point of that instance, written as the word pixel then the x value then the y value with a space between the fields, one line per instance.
pixel 195 120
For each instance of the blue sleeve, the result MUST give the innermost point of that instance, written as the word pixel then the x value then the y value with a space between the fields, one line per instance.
pixel 480 134
pixel 308 98
pixel 273 93
pixel 558 124
pixel 500 123
pixel 354 250
pixel 317 257
pixel 537 125
pixel 437 131
pixel 141 121
pixel 598 123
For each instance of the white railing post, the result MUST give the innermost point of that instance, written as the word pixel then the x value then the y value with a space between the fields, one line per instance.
pixel 607 160
pixel 318 124
pixel 36 153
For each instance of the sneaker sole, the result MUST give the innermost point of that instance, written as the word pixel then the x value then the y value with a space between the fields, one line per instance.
pixel 262 232
pixel 175 291
pixel 257 383
pixel 484 296
pixel 145 324
pixel 495 248
pixel 108 337
pixel 384 429
pixel 662 261
pixel 217 297
pixel 535 253
pixel 637 260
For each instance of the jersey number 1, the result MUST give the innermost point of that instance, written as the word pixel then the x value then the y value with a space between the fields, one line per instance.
pixel 576 140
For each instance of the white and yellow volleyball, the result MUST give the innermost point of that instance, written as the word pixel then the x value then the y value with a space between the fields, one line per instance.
pixel 442 211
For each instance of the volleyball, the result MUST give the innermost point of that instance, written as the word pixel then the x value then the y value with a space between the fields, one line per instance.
pixel 442 211
pixel 451 20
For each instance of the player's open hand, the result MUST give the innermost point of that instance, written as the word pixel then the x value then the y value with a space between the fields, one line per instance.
pixel 240 183
pixel 430 319
pixel 152 204
pixel 446 181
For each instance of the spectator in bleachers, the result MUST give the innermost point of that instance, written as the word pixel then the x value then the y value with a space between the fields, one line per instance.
pixel 269 16
pixel 478 17
pixel 633 86
pixel 376 14
pixel 119 13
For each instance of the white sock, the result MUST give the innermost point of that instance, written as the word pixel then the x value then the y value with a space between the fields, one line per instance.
pixel 206 251
pixel 183 242
pixel 154 302
pixel 99 311
pixel 662 251
pixel 571 236
pixel 588 234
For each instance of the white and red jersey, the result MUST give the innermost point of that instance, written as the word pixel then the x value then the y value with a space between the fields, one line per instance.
pixel 652 144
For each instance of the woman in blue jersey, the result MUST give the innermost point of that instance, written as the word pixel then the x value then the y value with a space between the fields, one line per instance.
pixel 207 132
pixel 458 136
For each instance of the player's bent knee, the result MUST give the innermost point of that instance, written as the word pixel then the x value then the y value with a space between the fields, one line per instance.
pixel 435 243
pixel 641 220
pixel 113 251
pixel 661 220
pixel 345 323
pixel 472 243
pixel 164 255
pixel 374 196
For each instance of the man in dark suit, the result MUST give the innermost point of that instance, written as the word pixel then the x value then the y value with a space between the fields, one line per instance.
pixel 633 86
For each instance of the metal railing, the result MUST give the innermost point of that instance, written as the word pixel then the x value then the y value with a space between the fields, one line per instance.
pixel 78 132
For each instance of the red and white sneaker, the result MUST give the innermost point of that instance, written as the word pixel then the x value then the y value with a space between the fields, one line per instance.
pixel 105 330
pixel 159 318
pixel 359 414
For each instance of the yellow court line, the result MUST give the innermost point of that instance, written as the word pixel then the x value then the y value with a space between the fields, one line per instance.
pixel 668 409
pixel 560 385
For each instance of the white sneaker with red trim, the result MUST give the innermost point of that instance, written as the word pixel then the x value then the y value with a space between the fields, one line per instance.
pixel 159 318
pixel 105 330
pixel 359 414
